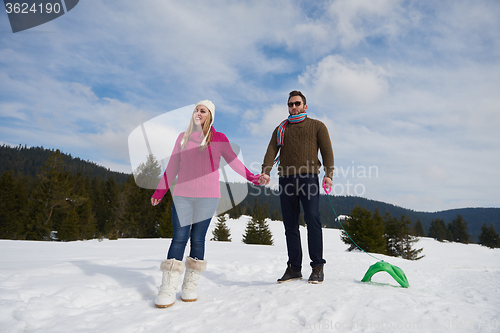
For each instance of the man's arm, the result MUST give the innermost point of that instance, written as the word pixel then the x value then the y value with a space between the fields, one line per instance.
pixel 272 151
pixel 325 146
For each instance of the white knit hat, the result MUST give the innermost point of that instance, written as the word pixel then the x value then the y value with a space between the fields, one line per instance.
pixel 211 107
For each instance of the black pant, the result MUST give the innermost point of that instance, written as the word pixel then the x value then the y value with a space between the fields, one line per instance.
pixel 293 191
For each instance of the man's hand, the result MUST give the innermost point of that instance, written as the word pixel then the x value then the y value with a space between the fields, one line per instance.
pixel 327 182
pixel 264 179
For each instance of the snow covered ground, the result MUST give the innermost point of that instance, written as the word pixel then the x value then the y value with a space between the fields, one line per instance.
pixel 110 286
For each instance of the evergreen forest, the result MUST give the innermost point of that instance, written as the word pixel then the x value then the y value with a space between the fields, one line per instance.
pixel 49 195
pixel 74 201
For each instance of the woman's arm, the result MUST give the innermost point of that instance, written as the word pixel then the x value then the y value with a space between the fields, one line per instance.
pixel 233 161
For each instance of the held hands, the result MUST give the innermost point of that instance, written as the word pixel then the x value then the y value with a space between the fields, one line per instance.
pixel 264 179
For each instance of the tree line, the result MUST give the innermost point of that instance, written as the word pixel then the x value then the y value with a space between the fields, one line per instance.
pixel 457 231
pixel 475 217
pixel 30 161
pixel 65 203
pixel 57 204
pixel 395 237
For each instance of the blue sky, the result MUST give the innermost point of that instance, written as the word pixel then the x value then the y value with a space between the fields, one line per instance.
pixel 406 88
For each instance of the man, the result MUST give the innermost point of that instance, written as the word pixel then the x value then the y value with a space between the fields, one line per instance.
pixel 298 140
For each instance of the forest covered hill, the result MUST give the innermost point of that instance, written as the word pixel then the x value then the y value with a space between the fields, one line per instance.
pixel 475 217
pixel 29 161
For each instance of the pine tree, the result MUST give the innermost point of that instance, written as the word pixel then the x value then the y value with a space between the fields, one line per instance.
pixel 235 212
pixel 99 205
pixel 394 233
pixel 366 230
pixel 110 195
pixel 247 210
pixel 148 174
pixel 165 228
pixel 144 221
pixel 489 237
pixel 13 198
pixel 68 230
pixel 406 241
pixel 221 231
pixel 260 214
pixel 134 210
pixel 418 229
pixel 251 235
pixel 265 209
pixel 276 215
pixel 51 194
pixel 118 223
pixel 87 226
pixel 142 218
pixel 439 231
pixel 458 229
pixel 257 230
pixel 87 222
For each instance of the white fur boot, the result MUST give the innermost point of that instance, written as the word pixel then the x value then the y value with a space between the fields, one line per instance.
pixel 194 268
pixel 172 270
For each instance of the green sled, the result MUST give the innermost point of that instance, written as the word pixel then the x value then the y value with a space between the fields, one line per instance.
pixel 396 272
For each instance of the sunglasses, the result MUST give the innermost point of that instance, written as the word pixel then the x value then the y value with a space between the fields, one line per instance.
pixel 290 104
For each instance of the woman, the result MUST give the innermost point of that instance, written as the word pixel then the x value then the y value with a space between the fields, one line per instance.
pixel 195 162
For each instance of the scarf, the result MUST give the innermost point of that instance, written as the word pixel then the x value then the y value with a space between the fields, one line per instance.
pixel 281 129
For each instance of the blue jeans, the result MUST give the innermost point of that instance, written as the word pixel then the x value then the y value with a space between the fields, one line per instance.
pixel 199 211
pixel 293 191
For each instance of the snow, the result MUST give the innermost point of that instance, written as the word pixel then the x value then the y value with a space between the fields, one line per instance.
pixel 110 286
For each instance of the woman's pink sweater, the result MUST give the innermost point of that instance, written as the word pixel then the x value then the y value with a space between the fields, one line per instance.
pixel 197 170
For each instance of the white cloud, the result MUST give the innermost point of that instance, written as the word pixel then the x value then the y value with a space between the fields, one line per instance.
pixel 69 115
pixel 85 91
pixel 357 19
pixel 351 83
pixel 465 28
pixel 263 123
pixel 12 110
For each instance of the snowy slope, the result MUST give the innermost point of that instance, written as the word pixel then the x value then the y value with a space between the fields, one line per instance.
pixel 110 286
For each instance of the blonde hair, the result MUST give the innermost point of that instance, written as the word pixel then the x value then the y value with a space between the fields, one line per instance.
pixel 206 132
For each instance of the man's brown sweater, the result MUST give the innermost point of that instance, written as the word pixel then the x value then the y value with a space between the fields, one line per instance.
pixel 299 154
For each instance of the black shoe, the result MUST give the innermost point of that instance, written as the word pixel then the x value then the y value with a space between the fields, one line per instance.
pixel 290 275
pixel 317 275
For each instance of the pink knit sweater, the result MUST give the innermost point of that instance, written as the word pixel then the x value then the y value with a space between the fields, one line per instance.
pixel 197 170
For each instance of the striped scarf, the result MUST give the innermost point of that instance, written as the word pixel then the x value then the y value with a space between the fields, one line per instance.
pixel 281 129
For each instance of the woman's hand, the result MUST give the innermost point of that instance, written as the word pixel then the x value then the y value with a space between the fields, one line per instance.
pixel 154 201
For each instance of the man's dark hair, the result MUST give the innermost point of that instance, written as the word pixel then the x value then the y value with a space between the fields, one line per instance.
pixel 297 93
